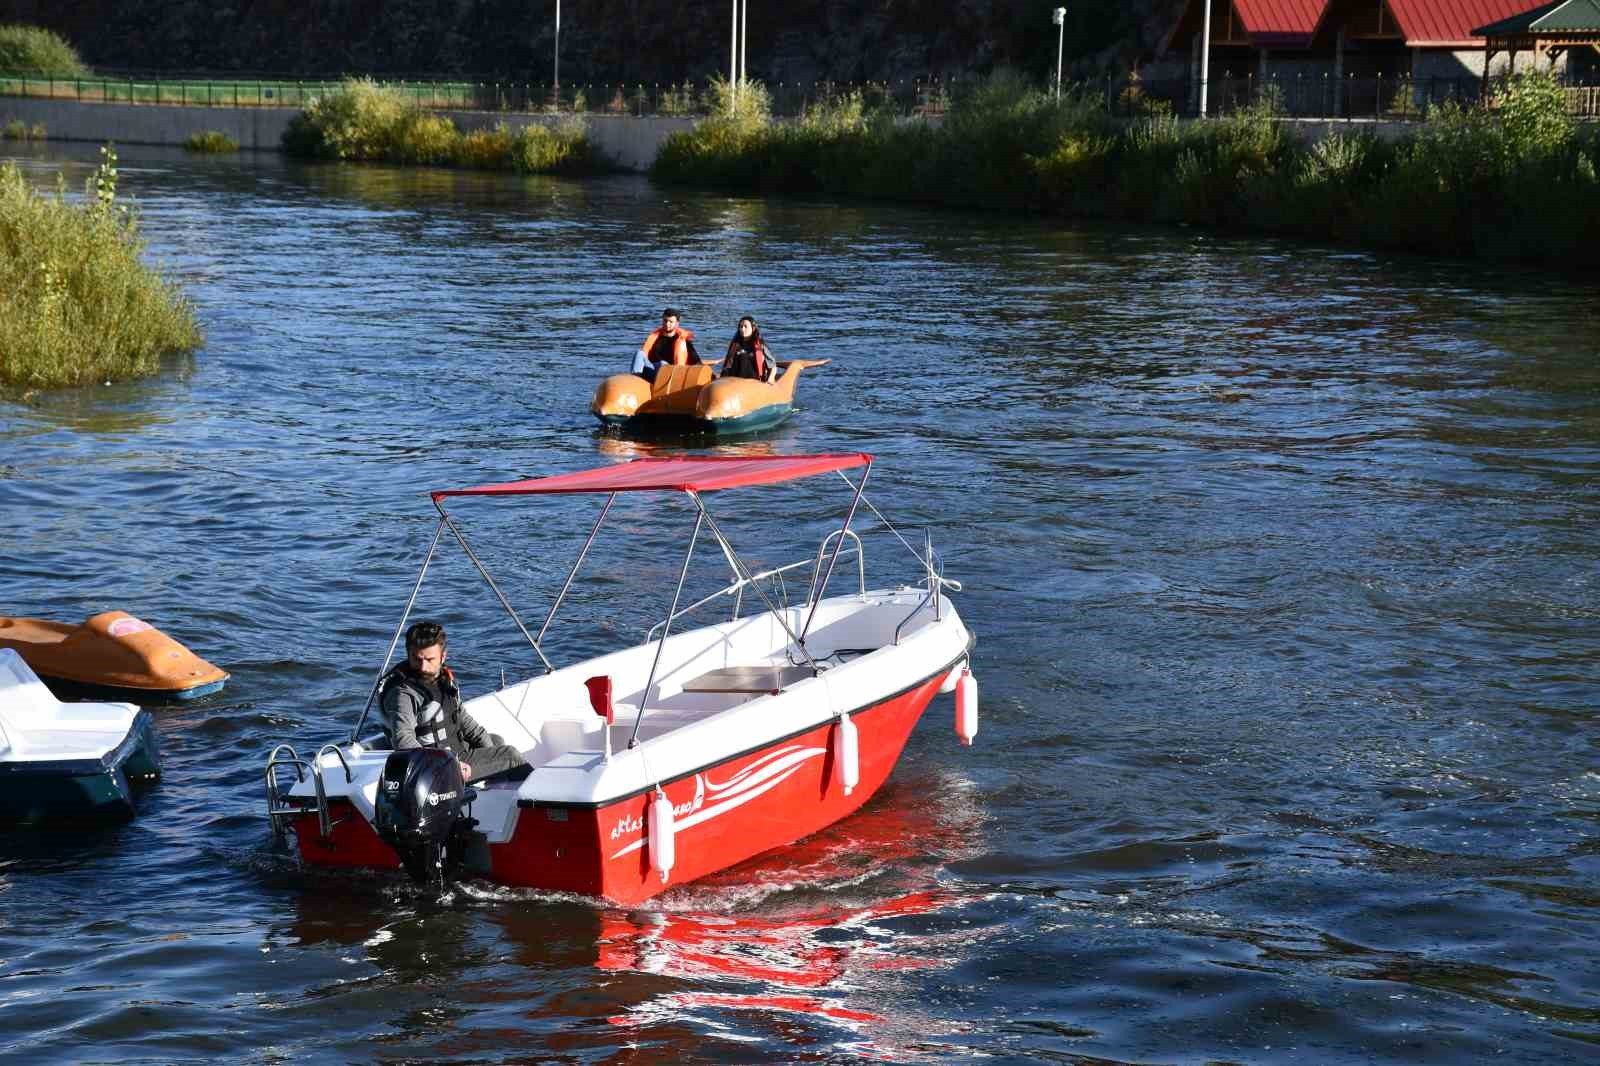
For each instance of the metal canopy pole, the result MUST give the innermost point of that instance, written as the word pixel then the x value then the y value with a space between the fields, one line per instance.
pixel 438 531
pixel 822 590
pixel 744 572
pixel 502 596
pixel 666 630
pixel 586 546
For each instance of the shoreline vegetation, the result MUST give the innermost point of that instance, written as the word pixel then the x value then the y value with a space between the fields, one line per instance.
pixel 365 121
pixel 1515 181
pixel 77 305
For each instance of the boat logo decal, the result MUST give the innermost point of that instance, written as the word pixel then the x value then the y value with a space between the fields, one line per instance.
pixel 754 780
pixel 435 797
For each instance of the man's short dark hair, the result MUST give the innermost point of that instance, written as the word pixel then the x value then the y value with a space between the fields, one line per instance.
pixel 424 635
pixel 671 312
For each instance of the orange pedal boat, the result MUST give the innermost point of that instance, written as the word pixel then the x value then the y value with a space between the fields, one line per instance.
pixel 111 652
pixel 688 399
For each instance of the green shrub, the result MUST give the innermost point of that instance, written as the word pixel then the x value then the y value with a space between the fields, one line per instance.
pixel 363 120
pixel 76 303
pixel 37 53
pixel 213 141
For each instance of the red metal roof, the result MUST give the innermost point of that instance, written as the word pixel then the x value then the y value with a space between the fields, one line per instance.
pixel 682 473
pixel 1441 22
pixel 1284 23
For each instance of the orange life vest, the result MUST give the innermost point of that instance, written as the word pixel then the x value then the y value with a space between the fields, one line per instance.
pixel 680 347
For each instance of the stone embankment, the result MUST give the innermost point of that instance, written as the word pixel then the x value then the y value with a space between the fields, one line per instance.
pixel 626 141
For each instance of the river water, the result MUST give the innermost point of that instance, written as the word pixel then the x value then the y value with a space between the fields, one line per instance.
pixel 1281 558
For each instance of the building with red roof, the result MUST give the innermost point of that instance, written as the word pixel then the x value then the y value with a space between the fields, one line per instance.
pixel 1317 51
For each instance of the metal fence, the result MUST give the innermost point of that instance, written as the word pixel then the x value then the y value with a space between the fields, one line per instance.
pixel 1325 97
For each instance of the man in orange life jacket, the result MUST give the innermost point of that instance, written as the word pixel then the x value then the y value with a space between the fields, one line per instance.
pixel 668 345
pixel 422 709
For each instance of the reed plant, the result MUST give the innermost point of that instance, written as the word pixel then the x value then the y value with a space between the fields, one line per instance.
pixel 213 142
pixel 365 121
pixel 1514 179
pixel 77 303
pixel 30 51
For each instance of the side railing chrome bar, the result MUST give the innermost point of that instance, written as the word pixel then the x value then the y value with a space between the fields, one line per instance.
pixel 644 697
pixel 822 589
pixel 554 607
pixel 510 611
pixel 861 560
pixel 737 588
pixel 317 762
pixel 952 585
pixel 936 583
pixel 277 809
pixel 438 532
pixel 744 572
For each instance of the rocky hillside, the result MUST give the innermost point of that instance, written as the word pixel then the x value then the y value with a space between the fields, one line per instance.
pixel 602 40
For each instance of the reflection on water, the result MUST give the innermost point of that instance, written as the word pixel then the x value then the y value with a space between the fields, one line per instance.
pixel 1281 561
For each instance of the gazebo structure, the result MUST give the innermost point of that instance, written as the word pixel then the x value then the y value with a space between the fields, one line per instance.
pixel 1548 31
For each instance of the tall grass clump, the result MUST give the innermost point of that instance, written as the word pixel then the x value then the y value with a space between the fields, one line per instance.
pixel 363 120
pixel 30 51
pixel 1515 178
pixel 211 141
pixel 18 130
pixel 76 303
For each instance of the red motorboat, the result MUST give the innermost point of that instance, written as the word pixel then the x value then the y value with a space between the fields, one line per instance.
pixel 672 759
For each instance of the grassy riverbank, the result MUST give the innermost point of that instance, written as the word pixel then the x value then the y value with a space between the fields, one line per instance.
pixel 1518 181
pixel 76 303
pixel 366 121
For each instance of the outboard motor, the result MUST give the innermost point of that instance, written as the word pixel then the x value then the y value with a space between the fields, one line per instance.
pixel 423 811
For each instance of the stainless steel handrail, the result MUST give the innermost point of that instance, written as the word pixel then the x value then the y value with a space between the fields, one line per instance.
pixel 739 586
pixel 861 560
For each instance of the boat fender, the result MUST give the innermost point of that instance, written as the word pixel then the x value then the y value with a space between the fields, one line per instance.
pixel 952 679
pixel 662 844
pixel 967 707
pixel 846 754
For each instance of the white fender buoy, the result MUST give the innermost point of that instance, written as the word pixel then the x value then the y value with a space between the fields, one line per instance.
pixel 953 678
pixel 846 754
pixel 663 848
pixel 967 707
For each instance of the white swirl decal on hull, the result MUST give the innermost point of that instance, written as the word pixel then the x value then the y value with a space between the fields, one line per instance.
pixel 753 781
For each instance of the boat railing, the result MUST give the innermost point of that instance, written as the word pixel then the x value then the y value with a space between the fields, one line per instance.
pixel 816 567
pixel 737 590
pixel 279 809
pixel 936 582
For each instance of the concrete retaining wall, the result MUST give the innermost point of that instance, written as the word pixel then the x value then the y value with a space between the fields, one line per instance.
pixel 627 142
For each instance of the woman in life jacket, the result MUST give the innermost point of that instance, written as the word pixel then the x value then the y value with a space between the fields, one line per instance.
pixel 667 345
pixel 748 356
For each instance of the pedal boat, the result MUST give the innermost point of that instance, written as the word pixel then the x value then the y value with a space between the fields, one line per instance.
pixel 68 761
pixel 676 757
pixel 113 653
pixel 688 399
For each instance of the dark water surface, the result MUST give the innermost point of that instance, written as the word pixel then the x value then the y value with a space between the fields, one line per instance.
pixel 1282 562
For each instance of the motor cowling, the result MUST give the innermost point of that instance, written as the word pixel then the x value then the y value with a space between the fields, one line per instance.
pixel 423 811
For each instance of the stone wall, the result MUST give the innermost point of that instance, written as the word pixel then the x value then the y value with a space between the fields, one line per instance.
pixel 626 141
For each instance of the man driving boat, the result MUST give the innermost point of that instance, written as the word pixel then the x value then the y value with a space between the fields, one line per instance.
pixel 422 709
pixel 667 345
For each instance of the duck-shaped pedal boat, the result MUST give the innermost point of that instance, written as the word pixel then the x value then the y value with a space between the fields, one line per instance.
pixel 688 399
pixel 68 761
pixel 113 653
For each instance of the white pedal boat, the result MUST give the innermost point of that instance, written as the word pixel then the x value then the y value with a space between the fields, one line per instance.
pixel 721 742
pixel 68 761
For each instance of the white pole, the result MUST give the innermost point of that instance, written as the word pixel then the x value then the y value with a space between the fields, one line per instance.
pixel 558 54
pixel 1059 17
pixel 744 39
pixel 733 47
pixel 1205 57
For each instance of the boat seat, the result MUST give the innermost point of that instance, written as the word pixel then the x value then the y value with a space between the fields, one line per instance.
pixel 558 736
pixel 676 378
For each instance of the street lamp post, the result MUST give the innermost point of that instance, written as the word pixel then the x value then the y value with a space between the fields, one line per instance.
pixel 1059 17
pixel 557 78
pixel 1205 58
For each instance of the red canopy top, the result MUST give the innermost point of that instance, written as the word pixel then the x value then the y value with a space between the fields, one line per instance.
pixel 684 473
